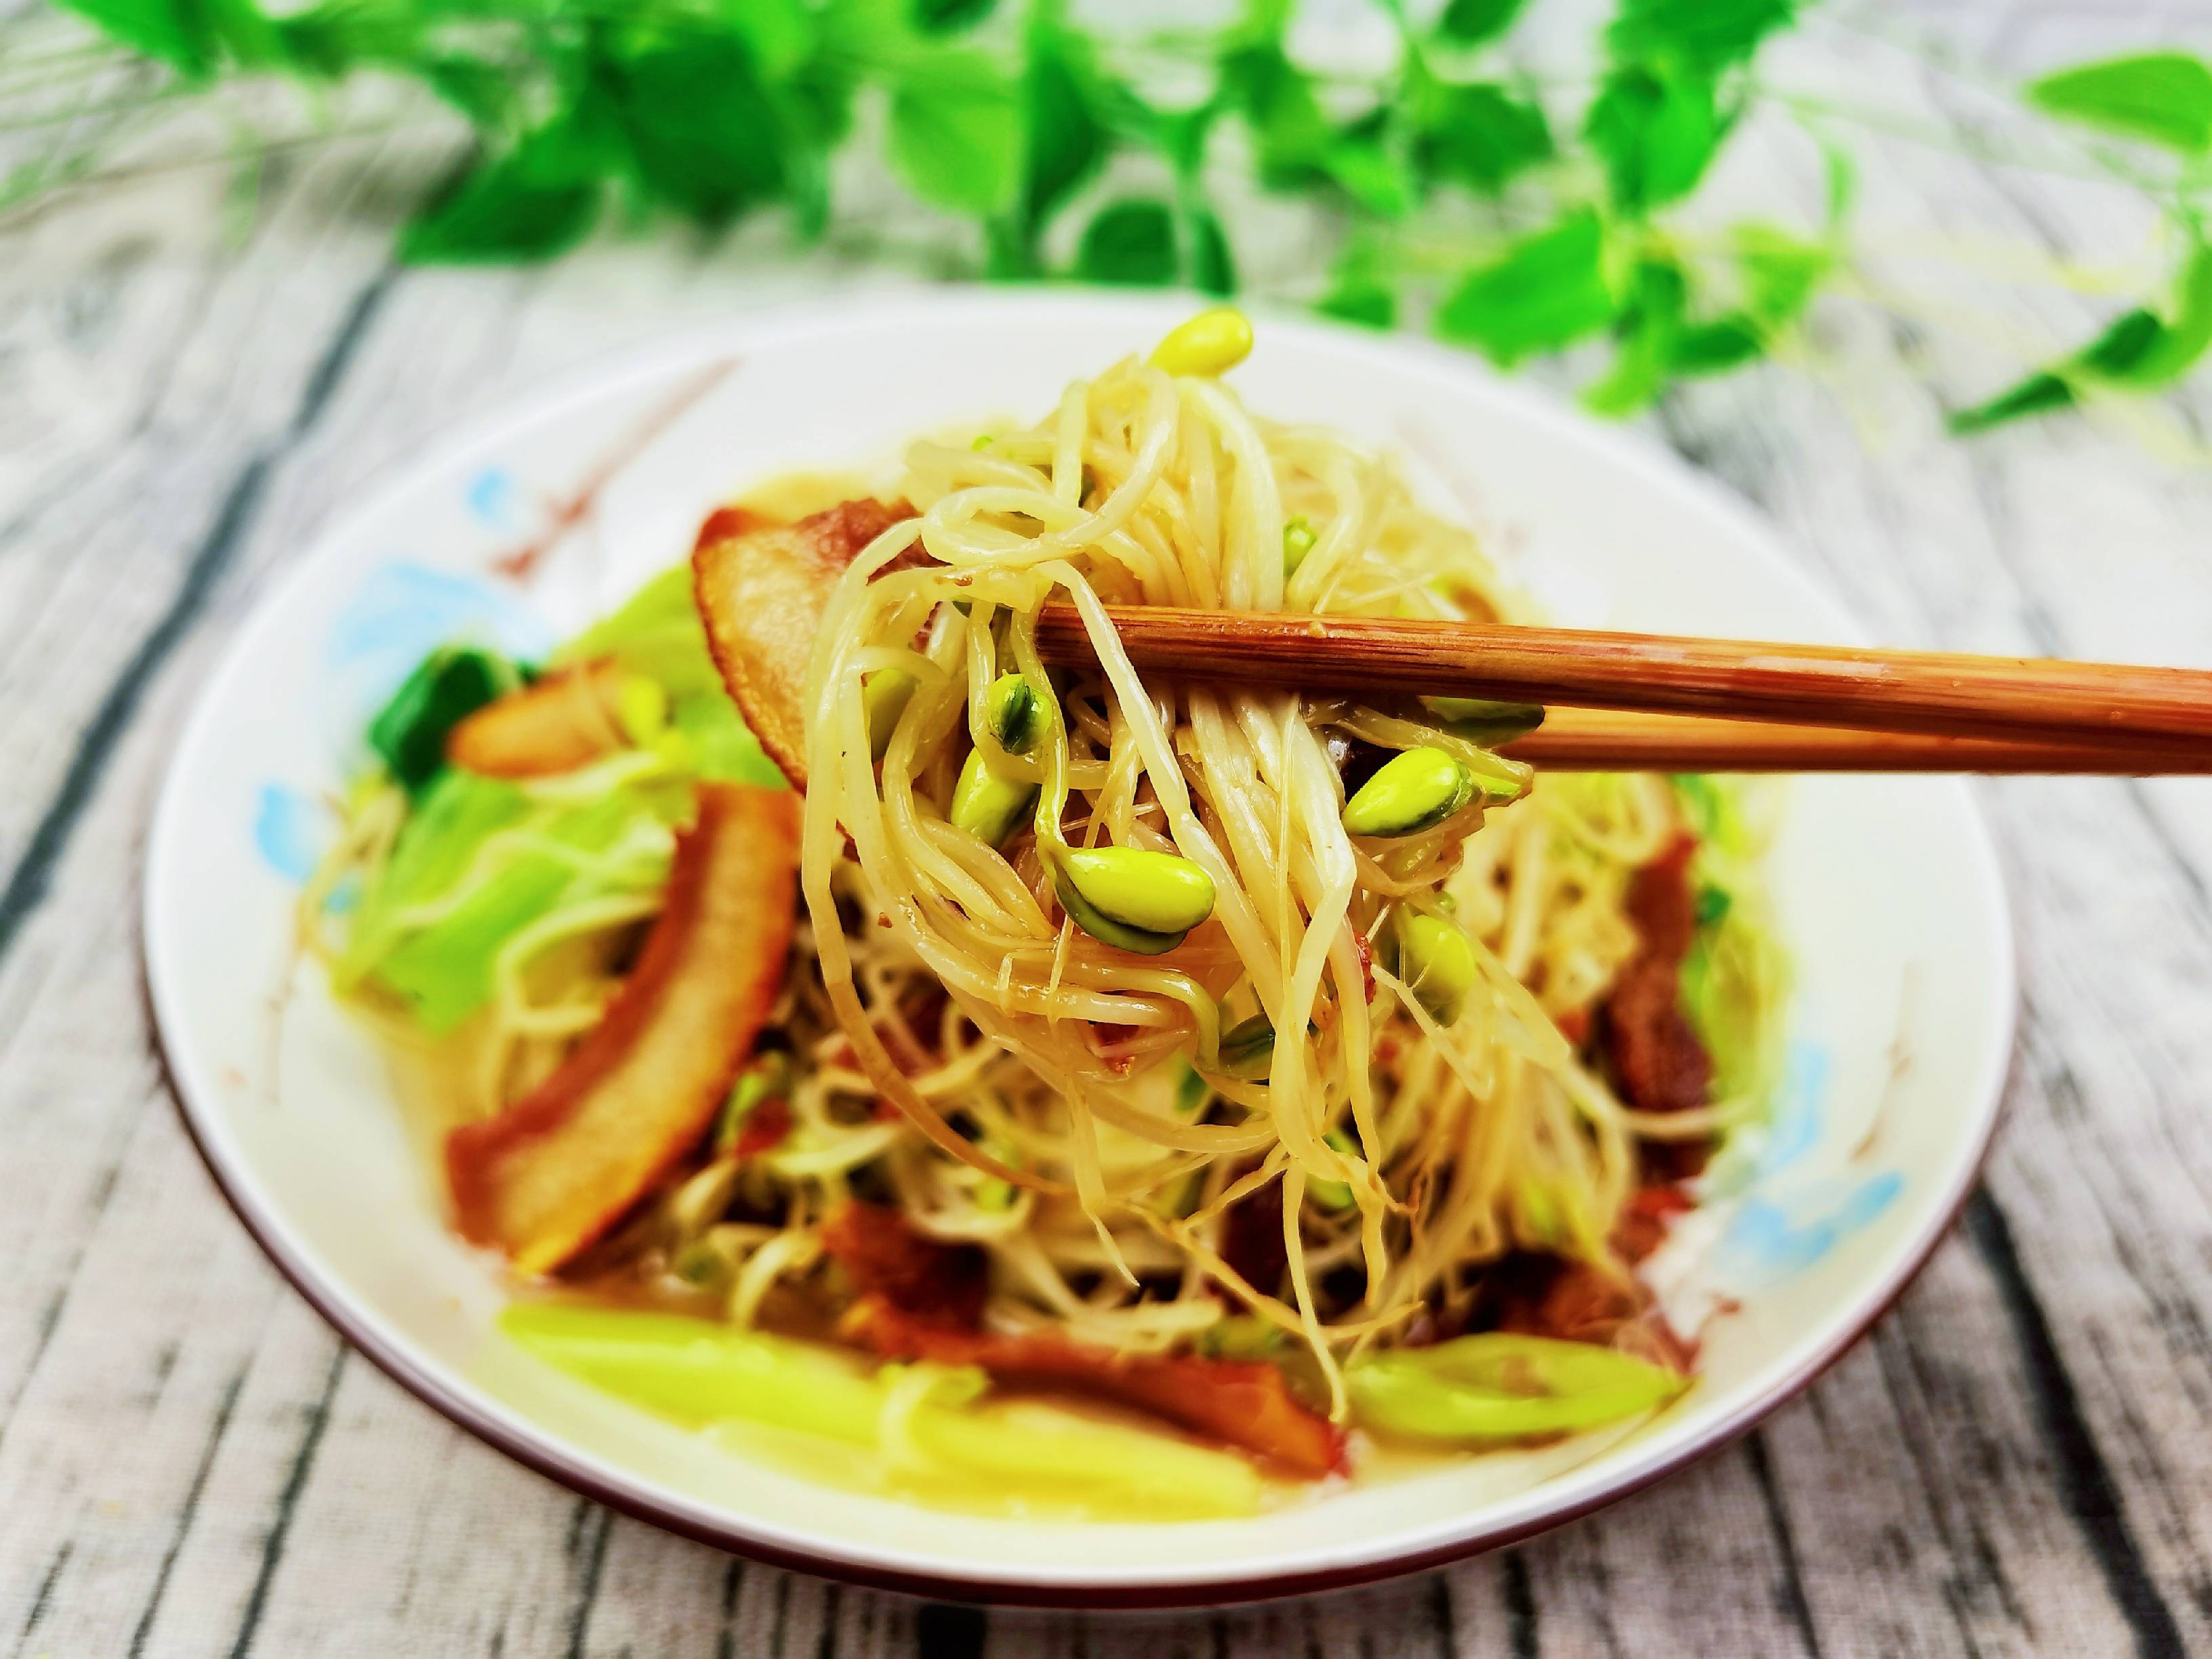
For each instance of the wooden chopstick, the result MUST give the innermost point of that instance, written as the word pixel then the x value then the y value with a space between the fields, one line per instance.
pixel 2164 711
pixel 1612 741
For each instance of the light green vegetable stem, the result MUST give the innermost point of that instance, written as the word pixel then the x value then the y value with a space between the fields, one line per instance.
pixel 699 1372
pixel 1504 1386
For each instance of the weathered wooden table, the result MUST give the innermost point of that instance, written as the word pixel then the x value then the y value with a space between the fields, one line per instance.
pixel 2018 1460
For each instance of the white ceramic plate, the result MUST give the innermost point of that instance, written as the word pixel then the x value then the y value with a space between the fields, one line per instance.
pixel 1888 889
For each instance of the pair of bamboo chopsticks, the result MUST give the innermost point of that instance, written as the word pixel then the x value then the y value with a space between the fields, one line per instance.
pixel 1664 702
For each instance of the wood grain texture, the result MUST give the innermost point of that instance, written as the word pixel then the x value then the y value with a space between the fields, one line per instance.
pixel 1946 693
pixel 2016 1463
pixel 1607 740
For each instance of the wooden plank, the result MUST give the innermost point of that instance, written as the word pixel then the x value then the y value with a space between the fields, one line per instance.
pixel 265 1519
pixel 2015 1464
pixel 101 586
pixel 2073 1371
pixel 134 1318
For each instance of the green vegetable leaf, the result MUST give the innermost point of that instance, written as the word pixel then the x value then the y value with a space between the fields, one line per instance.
pixel 178 32
pixel 538 200
pixel 1715 348
pixel 2138 352
pixel 451 820
pixel 1369 302
pixel 430 926
pixel 1213 266
pixel 1546 290
pixel 815 102
pixel 1063 139
pixel 720 744
pixel 1700 37
pixel 482 92
pixel 2116 355
pixel 2038 394
pixel 1712 905
pixel 2165 97
pixel 1472 22
pixel 1476 133
pixel 1780 271
pixel 1181 135
pixel 1130 242
pixel 1276 99
pixel 445 971
pixel 956 136
pixel 410 732
pixel 1648 329
pixel 703 134
pixel 1655 133
pixel 1298 143
pixel 2178 344
pixel 657 634
pixel 782 35
pixel 1265 23
pixel 714 108
pixel 1370 174
pixel 194 36
pixel 943 17
pixel 1661 340
pixel 1360 287
pixel 332 40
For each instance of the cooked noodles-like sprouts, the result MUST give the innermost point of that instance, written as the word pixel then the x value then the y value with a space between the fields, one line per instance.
pixel 1313 1081
pixel 1400 1152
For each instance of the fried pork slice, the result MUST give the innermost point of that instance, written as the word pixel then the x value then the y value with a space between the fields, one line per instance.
pixel 761 593
pixel 930 1282
pixel 556 1169
pixel 1244 1404
pixel 567 719
pixel 919 1298
pixel 1656 1053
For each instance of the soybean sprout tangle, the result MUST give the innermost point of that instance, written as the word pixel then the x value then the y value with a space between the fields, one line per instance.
pixel 1262 1077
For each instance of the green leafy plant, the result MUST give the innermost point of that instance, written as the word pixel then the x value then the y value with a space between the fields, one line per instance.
pixel 1514 218
pixel 2164 97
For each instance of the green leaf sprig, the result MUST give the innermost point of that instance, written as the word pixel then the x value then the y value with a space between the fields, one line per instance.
pixel 2164 99
pixel 1515 220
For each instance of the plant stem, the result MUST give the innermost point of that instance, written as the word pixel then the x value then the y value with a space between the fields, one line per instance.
pixel 16 211
pixel 81 111
pixel 1937 136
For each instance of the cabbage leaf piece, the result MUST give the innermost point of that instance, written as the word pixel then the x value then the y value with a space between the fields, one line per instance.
pixel 658 633
pixel 480 858
pixel 554 1169
pixel 429 930
pixel 410 732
